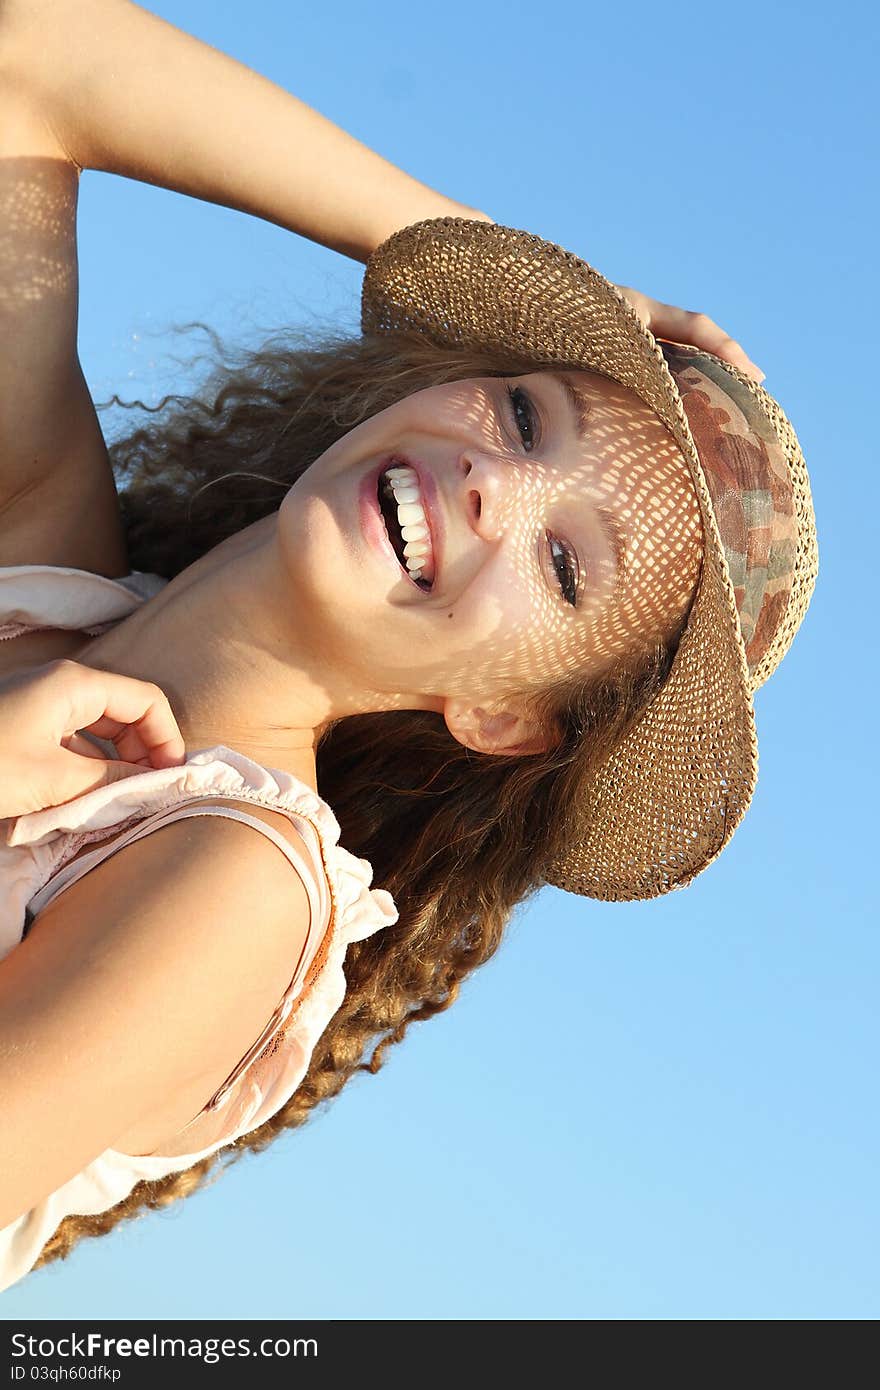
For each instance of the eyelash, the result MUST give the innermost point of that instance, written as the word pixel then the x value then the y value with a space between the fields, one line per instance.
pixel 565 565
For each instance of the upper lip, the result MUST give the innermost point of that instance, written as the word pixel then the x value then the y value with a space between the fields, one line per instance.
pixel 431 505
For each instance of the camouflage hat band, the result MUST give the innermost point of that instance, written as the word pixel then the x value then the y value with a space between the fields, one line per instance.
pixel 750 485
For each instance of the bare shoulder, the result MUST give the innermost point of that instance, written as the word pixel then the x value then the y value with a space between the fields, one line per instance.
pixel 139 989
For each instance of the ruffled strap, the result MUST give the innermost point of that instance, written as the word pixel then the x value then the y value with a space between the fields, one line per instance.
pixel 356 912
pixel 266 1078
pixel 362 909
pixel 40 597
pixel 209 772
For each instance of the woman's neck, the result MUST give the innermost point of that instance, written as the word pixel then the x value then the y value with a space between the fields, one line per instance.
pixel 213 645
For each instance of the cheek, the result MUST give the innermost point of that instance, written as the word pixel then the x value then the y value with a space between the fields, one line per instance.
pixel 505 598
pixel 510 632
pixel 328 572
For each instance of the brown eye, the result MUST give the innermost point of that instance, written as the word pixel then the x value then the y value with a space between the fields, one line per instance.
pixel 566 566
pixel 524 416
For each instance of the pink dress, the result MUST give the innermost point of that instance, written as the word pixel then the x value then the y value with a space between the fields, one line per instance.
pixel 35 867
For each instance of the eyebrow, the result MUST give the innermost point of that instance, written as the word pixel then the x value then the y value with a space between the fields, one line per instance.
pixel 614 536
pixel 579 404
pixel 581 409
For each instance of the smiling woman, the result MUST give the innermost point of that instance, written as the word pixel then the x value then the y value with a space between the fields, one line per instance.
pixel 613 547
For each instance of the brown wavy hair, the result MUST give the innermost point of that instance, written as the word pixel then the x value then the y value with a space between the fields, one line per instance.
pixel 457 837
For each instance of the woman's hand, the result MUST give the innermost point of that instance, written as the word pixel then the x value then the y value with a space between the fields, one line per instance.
pixel 682 326
pixel 43 759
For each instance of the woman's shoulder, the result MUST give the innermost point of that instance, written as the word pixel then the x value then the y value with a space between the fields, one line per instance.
pixel 149 977
pixel 224 778
pixel 202 933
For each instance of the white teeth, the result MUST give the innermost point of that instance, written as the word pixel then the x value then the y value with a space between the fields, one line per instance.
pixel 411 517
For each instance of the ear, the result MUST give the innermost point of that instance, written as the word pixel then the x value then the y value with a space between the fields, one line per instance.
pixel 507 729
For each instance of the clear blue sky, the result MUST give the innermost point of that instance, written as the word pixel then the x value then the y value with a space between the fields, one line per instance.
pixel 646 1110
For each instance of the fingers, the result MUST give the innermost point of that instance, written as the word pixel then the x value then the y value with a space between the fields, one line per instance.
pixel 134 715
pixel 704 333
pixel 76 743
pixel 685 326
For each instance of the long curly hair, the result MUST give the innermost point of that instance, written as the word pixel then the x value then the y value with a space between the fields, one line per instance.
pixel 459 838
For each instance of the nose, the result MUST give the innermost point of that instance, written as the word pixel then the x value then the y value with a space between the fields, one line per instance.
pixel 487 482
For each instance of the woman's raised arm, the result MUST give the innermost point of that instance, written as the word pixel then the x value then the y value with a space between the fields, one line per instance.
pixel 127 93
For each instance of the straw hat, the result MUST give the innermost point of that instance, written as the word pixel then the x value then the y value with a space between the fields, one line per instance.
pixel 667 800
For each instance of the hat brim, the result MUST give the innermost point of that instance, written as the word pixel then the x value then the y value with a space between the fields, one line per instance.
pixel 668 799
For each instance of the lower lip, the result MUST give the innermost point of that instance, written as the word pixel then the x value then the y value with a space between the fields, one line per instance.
pixel 373 522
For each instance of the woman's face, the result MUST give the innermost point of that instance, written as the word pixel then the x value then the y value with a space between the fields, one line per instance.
pixel 564 528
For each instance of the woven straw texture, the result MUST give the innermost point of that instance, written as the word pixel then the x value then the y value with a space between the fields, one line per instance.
pixel 668 799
